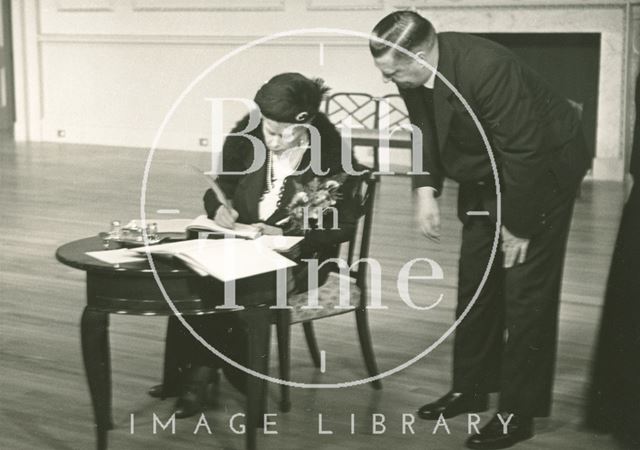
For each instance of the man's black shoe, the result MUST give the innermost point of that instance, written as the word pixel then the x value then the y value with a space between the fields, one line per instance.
pixel 452 404
pixel 492 435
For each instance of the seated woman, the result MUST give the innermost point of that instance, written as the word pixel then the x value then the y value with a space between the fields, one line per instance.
pixel 264 198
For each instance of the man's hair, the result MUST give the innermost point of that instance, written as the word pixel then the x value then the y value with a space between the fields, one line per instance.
pixel 406 29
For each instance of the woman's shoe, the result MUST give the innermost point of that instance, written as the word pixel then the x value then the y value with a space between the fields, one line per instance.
pixel 194 397
pixel 189 404
pixel 158 391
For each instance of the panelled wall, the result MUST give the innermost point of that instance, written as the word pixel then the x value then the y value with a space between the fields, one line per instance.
pixel 110 71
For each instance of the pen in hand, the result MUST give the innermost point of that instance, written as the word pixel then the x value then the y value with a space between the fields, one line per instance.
pixel 226 217
pixel 283 221
pixel 214 186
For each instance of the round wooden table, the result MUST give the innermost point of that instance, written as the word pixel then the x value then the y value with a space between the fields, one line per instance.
pixel 131 288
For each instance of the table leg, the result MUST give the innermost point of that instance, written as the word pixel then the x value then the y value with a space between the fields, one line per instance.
pixel 94 330
pixel 258 322
pixel 283 329
pixel 172 364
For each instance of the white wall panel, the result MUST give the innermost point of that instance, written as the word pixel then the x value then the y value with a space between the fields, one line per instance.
pixel 128 89
pixel 106 71
pixel 511 4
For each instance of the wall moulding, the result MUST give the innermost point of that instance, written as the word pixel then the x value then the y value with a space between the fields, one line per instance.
pixel 342 5
pixel 512 4
pixel 84 5
pixel 226 40
pixel 207 5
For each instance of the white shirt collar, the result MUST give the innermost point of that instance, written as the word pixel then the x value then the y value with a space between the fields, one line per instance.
pixel 431 82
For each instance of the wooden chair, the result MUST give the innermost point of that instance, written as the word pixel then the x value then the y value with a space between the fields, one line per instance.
pixel 368 112
pixel 396 114
pixel 328 297
pixel 361 109
pixel 364 109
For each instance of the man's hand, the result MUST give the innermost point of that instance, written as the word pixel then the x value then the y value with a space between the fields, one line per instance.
pixel 226 217
pixel 428 213
pixel 514 248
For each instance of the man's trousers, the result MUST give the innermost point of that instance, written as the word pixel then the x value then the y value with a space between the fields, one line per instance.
pixel 506 343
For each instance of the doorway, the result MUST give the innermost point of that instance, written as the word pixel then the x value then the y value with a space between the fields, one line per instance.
pixel 569 62
pixel 7 105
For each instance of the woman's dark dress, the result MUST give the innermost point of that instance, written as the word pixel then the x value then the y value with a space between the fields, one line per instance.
pixel 222 330
pixel 614 396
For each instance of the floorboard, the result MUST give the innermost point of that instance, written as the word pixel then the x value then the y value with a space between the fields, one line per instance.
pixel 54 193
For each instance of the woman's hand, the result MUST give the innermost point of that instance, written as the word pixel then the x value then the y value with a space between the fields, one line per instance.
pixel 226 217
pixel 268 229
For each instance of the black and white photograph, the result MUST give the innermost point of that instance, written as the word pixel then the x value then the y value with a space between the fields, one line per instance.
pixel 320 224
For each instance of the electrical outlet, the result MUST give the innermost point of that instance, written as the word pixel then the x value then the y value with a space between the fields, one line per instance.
pixel 204 142
pixel 61 133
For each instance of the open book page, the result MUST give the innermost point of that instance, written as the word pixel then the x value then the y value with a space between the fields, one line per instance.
pixel 224 259
pixel 240 229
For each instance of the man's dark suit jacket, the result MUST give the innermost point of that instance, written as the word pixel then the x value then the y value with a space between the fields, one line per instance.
pixel 535 134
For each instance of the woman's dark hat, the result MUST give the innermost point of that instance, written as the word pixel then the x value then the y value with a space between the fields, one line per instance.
pixel 291 98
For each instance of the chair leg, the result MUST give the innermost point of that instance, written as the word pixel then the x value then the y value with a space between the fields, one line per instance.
pixel 283 331
pixel 310 336
pixel 366 346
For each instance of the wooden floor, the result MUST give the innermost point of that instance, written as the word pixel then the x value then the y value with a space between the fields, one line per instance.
pixel 52 193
